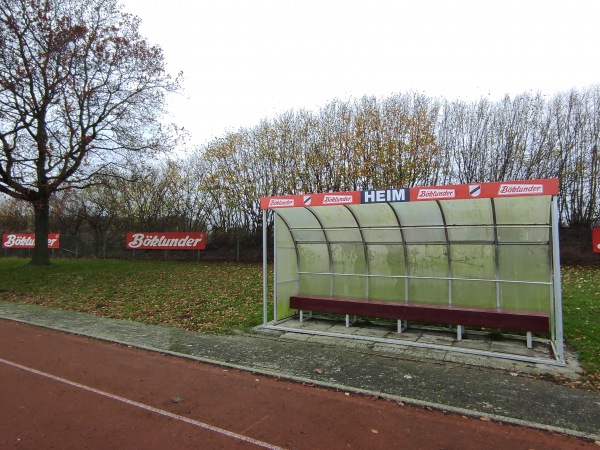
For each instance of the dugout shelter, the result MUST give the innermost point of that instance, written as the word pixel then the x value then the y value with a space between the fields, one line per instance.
pixel 472 253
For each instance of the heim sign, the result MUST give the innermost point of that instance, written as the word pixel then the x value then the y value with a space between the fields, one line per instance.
pixel 27 240
pixel 166 241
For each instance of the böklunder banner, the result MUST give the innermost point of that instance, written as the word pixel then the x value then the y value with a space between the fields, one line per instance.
pixel 166 241
pixel 416 194
pixel 596 239
pixel 27 240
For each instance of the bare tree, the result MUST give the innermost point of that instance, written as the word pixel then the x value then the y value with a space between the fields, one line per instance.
pixel 80 88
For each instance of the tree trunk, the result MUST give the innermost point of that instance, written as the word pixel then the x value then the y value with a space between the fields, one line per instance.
pixel 41 254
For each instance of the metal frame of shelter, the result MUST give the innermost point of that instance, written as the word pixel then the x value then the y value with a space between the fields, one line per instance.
pixel 485 245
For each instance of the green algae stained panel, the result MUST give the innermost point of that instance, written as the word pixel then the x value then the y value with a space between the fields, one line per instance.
pixel 523 297
pixel 425 234
pixel 539 234
pixel 387 289
pixel 299 218
pixel 387 261
pixel 284 291
pixel 468 212
pixel 428 261
pixel 523 210
pixel 334 217
pixel 308 235
pixel 525 263
pixel 383 235
pixel 349 286
pixel 418 213
pixel 344 235
pixel 314 258
pixel 466 234
pixel 349 259
pixel 476 262
pixel 434 292
pixel 287 264
pixel 421 222
pixel 374 215
pixel 287 270
pixel 287 261
pixel 315 284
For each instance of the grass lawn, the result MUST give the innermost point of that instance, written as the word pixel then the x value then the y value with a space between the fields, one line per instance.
pixel 581 317
pixel 222 297
pixel 207 298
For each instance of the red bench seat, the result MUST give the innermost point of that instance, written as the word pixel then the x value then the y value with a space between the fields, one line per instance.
pixel 454 315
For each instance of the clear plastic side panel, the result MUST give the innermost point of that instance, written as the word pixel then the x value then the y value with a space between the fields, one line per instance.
pixel 385 263
pixel 313 254
pixel 524 238
pixel 287 270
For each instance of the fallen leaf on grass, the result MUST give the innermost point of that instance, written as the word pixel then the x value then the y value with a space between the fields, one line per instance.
pixel 319 371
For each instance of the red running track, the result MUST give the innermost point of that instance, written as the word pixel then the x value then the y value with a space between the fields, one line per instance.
pixel 62 391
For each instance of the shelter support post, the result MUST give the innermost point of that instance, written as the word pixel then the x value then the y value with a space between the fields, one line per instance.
pixel 557 288
pixel 265 267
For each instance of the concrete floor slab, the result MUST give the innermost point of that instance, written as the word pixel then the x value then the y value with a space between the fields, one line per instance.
pixel 473 344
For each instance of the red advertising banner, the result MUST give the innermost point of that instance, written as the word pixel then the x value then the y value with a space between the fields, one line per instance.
pixel 596 240
pixel 166 241
pixel 22 240
pixel 449 192
pixel 486 190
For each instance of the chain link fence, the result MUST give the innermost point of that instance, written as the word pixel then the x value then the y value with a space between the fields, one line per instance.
pixel 575 248
pixel 235 248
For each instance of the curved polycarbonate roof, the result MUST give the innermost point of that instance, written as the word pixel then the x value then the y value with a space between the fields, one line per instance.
pixel 486 252
pixel 456 221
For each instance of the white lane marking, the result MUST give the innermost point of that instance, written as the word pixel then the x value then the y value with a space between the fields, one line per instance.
pixel 143 406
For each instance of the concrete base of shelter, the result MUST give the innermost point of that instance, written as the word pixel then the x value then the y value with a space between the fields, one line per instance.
pixel 431 344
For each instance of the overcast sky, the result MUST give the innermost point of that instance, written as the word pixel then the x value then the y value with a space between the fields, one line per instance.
pixel 247 60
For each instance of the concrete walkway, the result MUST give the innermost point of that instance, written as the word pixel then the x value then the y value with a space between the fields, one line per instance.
pixel 481 387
